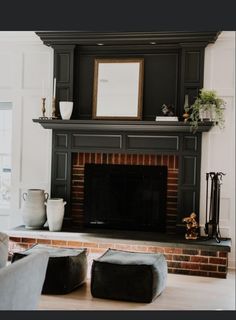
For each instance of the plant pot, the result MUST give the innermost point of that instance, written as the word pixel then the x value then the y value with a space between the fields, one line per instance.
pixel 213 112
pixel 55 213
pixel 207 112
pixel 66 108
pixel 33 208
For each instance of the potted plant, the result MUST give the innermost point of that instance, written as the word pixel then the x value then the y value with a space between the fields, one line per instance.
pixel 207 107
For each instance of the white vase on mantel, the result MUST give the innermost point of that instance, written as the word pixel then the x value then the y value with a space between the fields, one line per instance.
pixel 66 108
pixel 55 213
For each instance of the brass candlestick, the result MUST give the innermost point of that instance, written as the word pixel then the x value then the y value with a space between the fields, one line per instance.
pixel 43 109
pixel 54 108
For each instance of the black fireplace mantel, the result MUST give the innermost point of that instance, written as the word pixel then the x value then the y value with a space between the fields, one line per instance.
pixel 114 126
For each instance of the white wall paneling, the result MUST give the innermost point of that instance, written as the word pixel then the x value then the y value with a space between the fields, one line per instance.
pixel 218 146
pixel 25 63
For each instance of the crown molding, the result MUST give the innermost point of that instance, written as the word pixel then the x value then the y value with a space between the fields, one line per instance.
pixel 52 38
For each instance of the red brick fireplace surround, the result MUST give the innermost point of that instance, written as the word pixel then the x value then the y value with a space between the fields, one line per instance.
pixel 80 159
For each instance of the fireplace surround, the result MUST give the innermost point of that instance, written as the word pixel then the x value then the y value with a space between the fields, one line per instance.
pixel 145 142
pixel 173 67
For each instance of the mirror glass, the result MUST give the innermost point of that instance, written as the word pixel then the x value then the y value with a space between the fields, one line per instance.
pixel 118 87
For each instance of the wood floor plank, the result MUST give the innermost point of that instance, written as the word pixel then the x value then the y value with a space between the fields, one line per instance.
pixel 182 293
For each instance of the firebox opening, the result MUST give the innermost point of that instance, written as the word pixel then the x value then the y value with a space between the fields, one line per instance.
pixel 125 196
pixel 81 160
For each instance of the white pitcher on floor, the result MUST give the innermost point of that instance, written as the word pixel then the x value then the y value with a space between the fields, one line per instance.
pixel 55 213
pixel 33 208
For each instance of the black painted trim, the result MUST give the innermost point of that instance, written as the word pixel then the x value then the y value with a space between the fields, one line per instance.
pixel 90 38
pixel 141 126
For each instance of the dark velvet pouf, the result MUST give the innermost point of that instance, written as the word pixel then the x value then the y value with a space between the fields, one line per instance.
pixel 66 270
pixel 130 276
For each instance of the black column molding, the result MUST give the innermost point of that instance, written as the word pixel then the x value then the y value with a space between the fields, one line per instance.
pixel 64 73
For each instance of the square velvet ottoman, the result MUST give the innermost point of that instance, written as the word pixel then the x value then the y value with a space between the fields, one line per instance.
pixel 66 270
pixel 129 276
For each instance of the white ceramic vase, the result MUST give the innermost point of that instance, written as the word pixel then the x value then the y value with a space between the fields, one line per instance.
pixel 55 213
pixel 66 108
pixel 33 208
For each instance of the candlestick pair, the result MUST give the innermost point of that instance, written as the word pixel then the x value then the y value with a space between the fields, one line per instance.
pixel 44 109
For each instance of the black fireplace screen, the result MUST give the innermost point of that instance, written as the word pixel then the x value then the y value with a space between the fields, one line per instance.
pixel 128 197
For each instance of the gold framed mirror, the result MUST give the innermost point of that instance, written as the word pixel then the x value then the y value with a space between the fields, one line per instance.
pixel 118 88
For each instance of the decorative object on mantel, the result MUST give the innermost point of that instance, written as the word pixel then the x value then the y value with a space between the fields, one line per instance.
pixel 186 109
pixel 66 108
pixel 212 228
pixel 166 118
pixel 55 213
pixel 191 227
pixel 43 102
pixel 33 208
pixel 168 112
pixel 54 116
pixel 118 88
pixel 43 110
pixel 207 107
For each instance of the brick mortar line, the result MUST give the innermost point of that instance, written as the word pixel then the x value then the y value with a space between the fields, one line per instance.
pixel 198 263
pixel 198 255
pixel 196 271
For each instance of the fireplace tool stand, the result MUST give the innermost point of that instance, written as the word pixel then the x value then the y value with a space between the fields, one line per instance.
pixel 212 218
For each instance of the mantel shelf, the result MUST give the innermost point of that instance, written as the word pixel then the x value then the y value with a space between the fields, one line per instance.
pixel 101 125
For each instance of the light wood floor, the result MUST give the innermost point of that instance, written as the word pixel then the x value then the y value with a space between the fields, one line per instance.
pixel 182 293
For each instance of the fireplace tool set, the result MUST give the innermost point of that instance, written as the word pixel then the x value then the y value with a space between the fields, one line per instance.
pixel 212 218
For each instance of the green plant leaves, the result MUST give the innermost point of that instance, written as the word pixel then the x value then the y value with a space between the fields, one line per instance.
pixel 207 100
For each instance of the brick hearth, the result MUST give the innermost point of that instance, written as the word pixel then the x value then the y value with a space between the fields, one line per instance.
pixel 200 258
pixel 80 159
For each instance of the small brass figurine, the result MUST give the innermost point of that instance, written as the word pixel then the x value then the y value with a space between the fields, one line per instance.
pixel 167 110
pixel 191 227
pixel 186 116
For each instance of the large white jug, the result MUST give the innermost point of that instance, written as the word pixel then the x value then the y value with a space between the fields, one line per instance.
pixel 33 208
pixel 55 213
